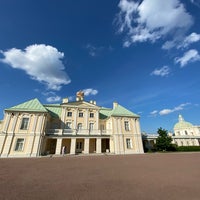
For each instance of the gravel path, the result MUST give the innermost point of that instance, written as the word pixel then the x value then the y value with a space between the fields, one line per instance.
pixel 136 177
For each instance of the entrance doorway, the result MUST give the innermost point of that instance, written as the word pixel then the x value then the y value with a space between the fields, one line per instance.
pixel 105 145
pixel 79 145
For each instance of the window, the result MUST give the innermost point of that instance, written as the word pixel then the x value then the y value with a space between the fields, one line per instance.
pixel 24 124
pixel 129 143
pixel 91 115
pixel 126 125
pixel 79 127
pixel 186 133
pixel 68 125
pixel 69 114
pixel 102 127
pixel 80 114
pixel 19 144
pixel 91 126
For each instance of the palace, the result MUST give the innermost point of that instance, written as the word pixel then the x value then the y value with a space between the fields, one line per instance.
pixel 185 134
pixel 32 129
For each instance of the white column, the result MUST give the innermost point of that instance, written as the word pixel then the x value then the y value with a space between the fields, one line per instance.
pixel 97 119
pixel 14 123
pixel 34 123
pixel 75 118
pixel 86 119
pixel 139 137
pixel 86 145
pixel 58 146
pixel 30 145
pixel 7 120
pixel 98 145
pixel 7 146
pixel 73 146
pixel 36 145
pixel 2 141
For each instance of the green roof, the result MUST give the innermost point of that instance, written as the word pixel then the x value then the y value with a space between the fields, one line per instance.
pixel 54 110
pixel 104 113
pixel 118 111
pixel 33 105
pixel 182 124
pixel 121 111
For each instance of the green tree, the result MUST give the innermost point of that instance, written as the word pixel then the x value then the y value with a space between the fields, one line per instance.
pixel 163 141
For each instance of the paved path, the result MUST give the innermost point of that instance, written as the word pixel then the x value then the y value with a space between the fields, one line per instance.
pixel 135 177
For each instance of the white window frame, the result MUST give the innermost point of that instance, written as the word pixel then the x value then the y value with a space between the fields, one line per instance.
pixel 80 114
pixel 79 126
pixel 24 123
pixel 19 145
pixel 69 114
pixel 91 126
pixel 68 125
pixel 91 115
pixel 129 144
pixel 126 125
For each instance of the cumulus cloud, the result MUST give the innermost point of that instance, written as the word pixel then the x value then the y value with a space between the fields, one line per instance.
pixel 163 71
pixel 90 91
pixel 41 62
pixel 53 99
pixel 145 22
pixel 177 108
pixel 190 56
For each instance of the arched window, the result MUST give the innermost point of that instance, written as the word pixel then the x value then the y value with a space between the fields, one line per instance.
pixel 79 126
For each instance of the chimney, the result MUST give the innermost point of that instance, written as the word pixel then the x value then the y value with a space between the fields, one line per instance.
pixel 115 104
pixel 65 100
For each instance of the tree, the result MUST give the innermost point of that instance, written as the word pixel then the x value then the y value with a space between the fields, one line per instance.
pixel 163 141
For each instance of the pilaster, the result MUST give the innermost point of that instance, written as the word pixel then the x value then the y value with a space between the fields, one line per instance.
pixel 86 145
pixel 58 146
pixel 73 146
pixel 98 145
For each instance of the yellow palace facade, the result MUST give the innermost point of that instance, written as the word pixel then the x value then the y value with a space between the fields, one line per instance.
pixel 32 129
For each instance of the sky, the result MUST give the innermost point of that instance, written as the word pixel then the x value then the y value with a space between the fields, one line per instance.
pixel 143 54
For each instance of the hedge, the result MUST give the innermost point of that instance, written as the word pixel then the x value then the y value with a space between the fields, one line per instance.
pixel 188 148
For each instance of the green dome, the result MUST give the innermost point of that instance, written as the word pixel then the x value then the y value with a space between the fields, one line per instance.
pixel 182 123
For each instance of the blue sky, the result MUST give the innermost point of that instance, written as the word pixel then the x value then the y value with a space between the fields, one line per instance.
pixel 143 54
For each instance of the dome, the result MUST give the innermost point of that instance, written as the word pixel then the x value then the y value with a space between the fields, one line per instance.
pixel 182 123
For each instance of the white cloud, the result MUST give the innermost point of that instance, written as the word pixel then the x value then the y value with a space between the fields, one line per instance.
pixel 154 113
pixel 163 71
pixel 193 37
pixel 152 19
pixel 53 99
pixel 167 111
pixel 190 56
pixel 195 2
pixel 94 51
pixel 41 62
pixel 90 91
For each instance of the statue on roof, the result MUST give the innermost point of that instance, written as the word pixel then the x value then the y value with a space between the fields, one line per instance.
pixel 80 95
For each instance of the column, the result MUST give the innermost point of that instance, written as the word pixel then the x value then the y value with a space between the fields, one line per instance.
pixel 7 120
pixel 2 141
pixel 73 146
pixel 86 145
pixel 86 119
pixel 36 145
pixel 34 124
pixel 14 123
pixel 7 146
pixel 58 146
pixel 30 145
pixel 141 150
pixel 98 145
